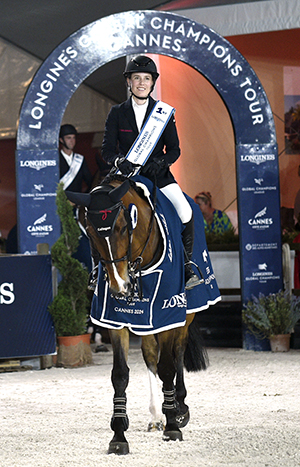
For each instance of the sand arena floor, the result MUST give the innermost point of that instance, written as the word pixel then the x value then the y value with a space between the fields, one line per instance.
pixel 245 411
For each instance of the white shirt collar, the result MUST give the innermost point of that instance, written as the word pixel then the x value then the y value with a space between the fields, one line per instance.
pixel 140 112
pixel 67 157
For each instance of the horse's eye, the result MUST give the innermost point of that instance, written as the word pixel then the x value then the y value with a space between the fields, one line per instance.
pixel 123 230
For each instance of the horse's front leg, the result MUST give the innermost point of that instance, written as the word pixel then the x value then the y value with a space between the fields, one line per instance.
pixel 119 377
pixel 166 370
pixel 150 351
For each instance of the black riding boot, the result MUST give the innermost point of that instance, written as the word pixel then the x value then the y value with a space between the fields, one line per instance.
pixel 191 279
pixel 93 278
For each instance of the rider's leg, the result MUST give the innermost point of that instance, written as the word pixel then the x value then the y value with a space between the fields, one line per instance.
pixel 93 279
pixel 174 194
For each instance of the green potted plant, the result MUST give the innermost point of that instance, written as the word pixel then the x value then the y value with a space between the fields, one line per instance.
pixel 69 307
pixel 225 241
pixel 272 316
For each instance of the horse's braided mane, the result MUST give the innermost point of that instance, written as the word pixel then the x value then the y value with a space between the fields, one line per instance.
pixel 111 177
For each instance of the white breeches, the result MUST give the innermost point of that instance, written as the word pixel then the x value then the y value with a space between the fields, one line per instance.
pixel 174 194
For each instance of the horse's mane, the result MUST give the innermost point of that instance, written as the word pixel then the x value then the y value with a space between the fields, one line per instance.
pixel 121 178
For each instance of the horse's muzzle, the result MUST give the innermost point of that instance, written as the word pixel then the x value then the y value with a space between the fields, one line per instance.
pixel 125 291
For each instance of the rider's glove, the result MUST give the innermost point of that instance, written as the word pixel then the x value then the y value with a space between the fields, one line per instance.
pixel 154 167
pixel 124 165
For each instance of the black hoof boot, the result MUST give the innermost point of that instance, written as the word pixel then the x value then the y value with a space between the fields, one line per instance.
pixel 172 435
pixel 118 447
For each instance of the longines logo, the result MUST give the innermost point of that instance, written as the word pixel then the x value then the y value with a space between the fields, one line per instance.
pixel 39 230
pixel 260 220
pixel 176 300
pixel 257 158
pixel 262 275
pixel 38 165
pixel 7 296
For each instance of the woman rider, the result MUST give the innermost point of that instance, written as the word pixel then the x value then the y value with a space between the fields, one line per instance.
pixel 122 127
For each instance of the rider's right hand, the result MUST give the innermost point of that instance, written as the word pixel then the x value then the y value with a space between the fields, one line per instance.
pixel 125 166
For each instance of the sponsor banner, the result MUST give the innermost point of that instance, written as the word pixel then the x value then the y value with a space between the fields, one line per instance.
pixel 133 33
pixel 38 221
pixel 146 141
pixel 26 327
pixel 260 230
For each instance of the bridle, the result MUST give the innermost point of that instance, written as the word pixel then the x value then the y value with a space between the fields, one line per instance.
pixel 134 266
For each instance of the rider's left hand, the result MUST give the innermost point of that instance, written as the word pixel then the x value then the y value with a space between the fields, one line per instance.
pixel 154 167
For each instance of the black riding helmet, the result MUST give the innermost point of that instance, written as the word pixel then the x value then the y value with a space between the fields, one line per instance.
pixel 67 129
pixel 141 64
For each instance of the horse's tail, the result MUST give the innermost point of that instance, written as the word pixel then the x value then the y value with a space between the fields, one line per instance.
pixel 195 356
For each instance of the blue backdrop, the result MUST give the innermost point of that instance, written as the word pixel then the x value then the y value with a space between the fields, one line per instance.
pixel 26 326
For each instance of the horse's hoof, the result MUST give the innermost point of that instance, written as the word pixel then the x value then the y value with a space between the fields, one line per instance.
pixel 183 420
pixel 101 348
pixel 155 426
pixel 119 448
pixel 172 435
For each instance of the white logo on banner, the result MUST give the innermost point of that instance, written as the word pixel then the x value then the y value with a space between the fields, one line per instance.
pixel 258 181
pixel 261 246
pixel 7 297
pixel 39 230
pixel 38 165
pixel 262 275
pixel 258 158
pixel 260 221
pixel 175 300
pixel 40 219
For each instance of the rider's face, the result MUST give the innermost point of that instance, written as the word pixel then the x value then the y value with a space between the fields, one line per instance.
pixel 140 84
pixel 70 141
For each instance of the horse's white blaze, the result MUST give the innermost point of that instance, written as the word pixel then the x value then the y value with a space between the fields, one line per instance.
pixel 121 283
pixel 155 401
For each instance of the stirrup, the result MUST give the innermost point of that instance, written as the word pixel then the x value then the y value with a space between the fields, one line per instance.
pixel 92 285
pixel 93 279
pixel 192 280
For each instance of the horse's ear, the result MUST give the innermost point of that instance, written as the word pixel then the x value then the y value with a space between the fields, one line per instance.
pixel 117 193
pixel 80 199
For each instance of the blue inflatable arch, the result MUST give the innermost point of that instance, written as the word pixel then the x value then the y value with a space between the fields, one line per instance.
pixel 210 54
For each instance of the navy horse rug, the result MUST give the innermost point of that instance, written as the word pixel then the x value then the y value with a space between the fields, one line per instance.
pixel 165 302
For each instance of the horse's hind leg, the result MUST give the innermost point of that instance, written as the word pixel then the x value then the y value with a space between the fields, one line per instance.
pixel 184 414
pixel 166 369
pixel 120 377
pixel 150 353
pixel 181 339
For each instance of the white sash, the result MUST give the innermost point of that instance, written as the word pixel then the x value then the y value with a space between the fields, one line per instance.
pixel 150 133
pixel 69 176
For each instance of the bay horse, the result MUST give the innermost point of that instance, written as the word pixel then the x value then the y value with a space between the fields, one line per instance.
pixel 126 244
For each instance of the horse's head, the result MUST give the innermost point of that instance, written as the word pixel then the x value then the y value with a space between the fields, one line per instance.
pixel 109 226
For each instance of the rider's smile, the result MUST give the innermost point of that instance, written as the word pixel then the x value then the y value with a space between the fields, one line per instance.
pixel 140 84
